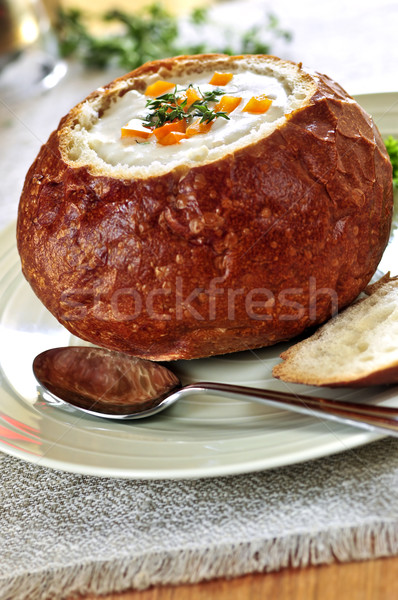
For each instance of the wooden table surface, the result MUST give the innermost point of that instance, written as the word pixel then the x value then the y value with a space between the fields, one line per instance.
pixel 367 580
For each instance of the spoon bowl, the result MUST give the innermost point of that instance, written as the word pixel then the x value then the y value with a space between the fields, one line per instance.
pixel 105 383
pixel 114 385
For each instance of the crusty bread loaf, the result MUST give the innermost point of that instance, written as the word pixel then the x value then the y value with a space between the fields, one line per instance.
pixel 357 347
pixel 220 243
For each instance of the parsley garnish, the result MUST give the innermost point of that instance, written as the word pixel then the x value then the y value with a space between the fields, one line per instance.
pixel 169 107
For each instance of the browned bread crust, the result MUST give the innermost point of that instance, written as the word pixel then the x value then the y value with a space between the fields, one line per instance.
pixel 236 253
pixel 359 347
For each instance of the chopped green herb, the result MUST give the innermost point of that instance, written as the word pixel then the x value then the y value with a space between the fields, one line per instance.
pixel 169 107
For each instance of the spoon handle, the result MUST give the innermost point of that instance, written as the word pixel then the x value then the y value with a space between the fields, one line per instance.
pixel 376 418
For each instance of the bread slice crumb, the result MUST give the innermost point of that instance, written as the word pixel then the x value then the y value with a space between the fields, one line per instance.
pixel 357 347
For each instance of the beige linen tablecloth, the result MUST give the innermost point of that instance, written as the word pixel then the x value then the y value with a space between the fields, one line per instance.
pixel 63 533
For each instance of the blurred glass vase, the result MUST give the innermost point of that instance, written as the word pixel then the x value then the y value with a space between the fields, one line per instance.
pixel 29 59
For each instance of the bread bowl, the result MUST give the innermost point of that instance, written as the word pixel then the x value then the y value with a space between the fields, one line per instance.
pixel 231 239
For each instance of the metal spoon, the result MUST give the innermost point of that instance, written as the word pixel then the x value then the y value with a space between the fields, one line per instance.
pixel 117 386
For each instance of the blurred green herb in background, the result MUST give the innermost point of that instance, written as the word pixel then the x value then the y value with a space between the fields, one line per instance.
pixel 154 33
pixel 392 149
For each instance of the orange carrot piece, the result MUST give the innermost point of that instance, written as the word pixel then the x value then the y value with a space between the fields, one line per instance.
pixel 158 88
pixel 257 104
pixel 176 126
pixel 221 78
pixel 227 104
pixel 174 137
pixel 197 127
pixel 135 128
pixel 190 95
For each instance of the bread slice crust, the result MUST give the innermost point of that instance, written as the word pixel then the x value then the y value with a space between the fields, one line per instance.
pixel 219 256
pixel 358 347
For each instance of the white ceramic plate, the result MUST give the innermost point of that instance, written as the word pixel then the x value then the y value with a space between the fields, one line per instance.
pixel 199 437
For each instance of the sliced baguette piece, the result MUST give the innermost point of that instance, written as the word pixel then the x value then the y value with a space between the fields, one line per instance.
pixel 358 347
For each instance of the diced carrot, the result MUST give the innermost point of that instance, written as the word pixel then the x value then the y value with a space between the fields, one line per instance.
pixel 221 78
pixel 197 127
pixel 178 126
pixel 135 128
pixel 257 104
pixel 174 137
pixel 158 88
pixel 190 95
pixel 227 104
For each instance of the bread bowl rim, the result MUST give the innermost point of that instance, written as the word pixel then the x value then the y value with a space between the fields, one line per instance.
pixel 96 103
